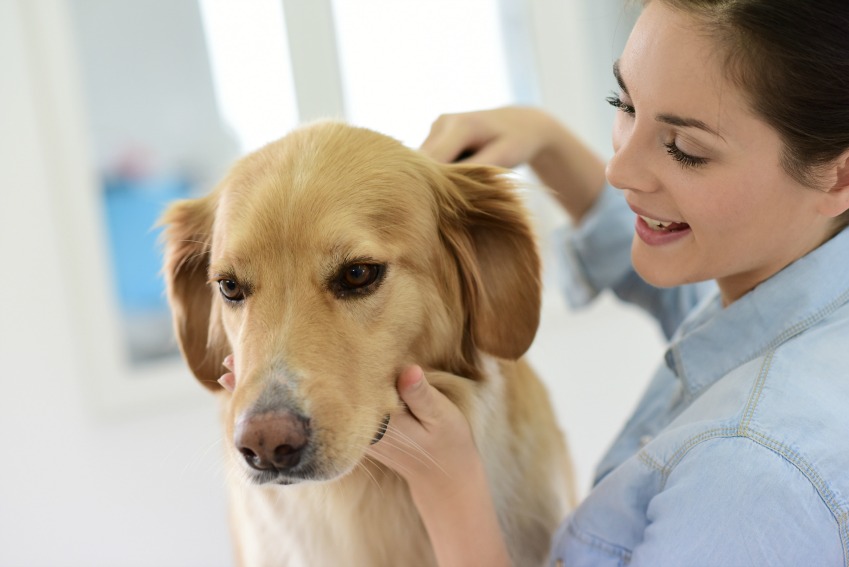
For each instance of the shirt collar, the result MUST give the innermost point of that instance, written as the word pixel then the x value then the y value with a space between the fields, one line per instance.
pixel 714 340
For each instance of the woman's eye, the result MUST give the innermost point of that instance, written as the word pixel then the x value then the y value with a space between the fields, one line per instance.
pixel 686 160
pixel 231 290
pixel 357 279
pixel 616 102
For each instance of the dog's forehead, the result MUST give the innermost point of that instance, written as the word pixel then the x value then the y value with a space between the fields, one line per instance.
pixel 323 193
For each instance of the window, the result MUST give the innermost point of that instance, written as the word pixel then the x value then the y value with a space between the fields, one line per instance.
pixel 404 62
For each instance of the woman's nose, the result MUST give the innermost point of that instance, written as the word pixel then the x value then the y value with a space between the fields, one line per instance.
pixel 630 166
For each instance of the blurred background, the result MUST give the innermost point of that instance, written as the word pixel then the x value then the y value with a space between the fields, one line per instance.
pixel 110 452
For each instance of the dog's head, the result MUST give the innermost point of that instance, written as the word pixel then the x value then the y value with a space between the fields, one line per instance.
pixel 327 261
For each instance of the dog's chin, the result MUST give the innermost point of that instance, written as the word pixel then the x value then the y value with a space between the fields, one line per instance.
pixel 263 478
pixel 308 475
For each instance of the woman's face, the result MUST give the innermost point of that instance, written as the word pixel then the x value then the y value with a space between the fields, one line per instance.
pixel 688 151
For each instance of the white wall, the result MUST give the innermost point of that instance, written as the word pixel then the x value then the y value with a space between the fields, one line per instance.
pixel 77 488
pixel 576 44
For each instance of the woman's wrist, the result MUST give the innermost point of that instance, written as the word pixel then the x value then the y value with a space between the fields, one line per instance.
pixel 460 517
pixel 430 444
pixel 569 168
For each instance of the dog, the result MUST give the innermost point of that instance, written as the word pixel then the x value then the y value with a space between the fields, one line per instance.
pixel 319 267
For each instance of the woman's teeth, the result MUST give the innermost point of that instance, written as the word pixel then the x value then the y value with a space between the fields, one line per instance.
pixel 664 225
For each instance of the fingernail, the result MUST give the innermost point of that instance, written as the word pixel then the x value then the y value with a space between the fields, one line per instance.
pixel 419 373
pixel 228 382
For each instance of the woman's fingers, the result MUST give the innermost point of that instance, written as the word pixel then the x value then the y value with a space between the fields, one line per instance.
pixel 228 380
pixel 504 137
pixel 415 391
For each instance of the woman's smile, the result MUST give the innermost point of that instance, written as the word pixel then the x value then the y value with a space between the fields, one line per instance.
pixel 657 231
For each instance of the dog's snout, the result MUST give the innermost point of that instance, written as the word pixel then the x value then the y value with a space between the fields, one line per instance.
pixel 272 441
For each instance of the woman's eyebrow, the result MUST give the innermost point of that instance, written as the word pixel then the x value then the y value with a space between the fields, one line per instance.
pixel 618 75
pixel 671 119
pixel 680 121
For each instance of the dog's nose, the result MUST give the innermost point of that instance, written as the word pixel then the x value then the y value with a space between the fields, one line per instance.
pixel 273 440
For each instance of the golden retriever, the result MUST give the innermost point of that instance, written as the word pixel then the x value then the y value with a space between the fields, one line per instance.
pixel 325 262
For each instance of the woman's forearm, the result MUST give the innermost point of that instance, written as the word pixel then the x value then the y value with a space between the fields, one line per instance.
pixel 570 169
pixel 461 521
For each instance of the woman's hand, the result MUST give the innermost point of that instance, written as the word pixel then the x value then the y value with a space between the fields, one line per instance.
pixel 430 444
pixel 505 137
pixel 515 135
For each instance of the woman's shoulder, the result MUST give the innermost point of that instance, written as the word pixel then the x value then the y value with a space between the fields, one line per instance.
pixel 795 392
pixel 744 490
pixel 801 390
pixel 779 419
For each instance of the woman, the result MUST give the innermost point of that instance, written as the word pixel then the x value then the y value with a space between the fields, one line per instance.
pixel 732 155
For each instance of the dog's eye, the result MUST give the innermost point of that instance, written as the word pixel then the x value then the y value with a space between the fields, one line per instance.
pixel 231 290
pixel 360 275
pixel 357 279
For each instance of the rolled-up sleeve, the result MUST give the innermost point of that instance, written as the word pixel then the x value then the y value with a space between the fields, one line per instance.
pixel 596 255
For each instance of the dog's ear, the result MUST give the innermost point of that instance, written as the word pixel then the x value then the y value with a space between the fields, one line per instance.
pixel 485 226
pixel 187 240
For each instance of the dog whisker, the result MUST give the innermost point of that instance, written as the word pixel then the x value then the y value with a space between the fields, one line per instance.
pixel 395 465
pixel 377 466
pixel 194 458
pixel 365 469
pixel 204 452
pixel 414 445
pixel 399 445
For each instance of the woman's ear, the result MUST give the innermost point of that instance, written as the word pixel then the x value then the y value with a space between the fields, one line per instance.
pixel 187 238
pixel 485 225
pixel 836 201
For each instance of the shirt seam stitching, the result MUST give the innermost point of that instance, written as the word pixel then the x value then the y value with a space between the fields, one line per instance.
pixel 650 462
pixel 808 321
pixel 603 545
pixel 829 498
pixel 786 335
pixel 838 511
pixel 755 395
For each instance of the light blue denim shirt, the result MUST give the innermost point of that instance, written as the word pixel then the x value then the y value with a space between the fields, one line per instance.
pixel 738 453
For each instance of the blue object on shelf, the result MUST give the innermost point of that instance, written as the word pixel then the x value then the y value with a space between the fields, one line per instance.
pixel 132 208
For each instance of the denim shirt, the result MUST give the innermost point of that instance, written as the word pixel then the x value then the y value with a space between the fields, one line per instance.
pixel 738 453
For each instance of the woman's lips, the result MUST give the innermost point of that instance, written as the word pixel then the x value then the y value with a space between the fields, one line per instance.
pixel 656 235
pixel 664 225
pixel 656 232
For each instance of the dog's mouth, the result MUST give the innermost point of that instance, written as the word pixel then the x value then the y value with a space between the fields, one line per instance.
pixel 381 430
pixel 307 471
pixel 296 475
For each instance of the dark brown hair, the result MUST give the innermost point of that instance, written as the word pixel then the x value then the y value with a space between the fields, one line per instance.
pixel 791 59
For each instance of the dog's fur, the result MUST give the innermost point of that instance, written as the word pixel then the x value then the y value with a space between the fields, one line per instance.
pixel 459 294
